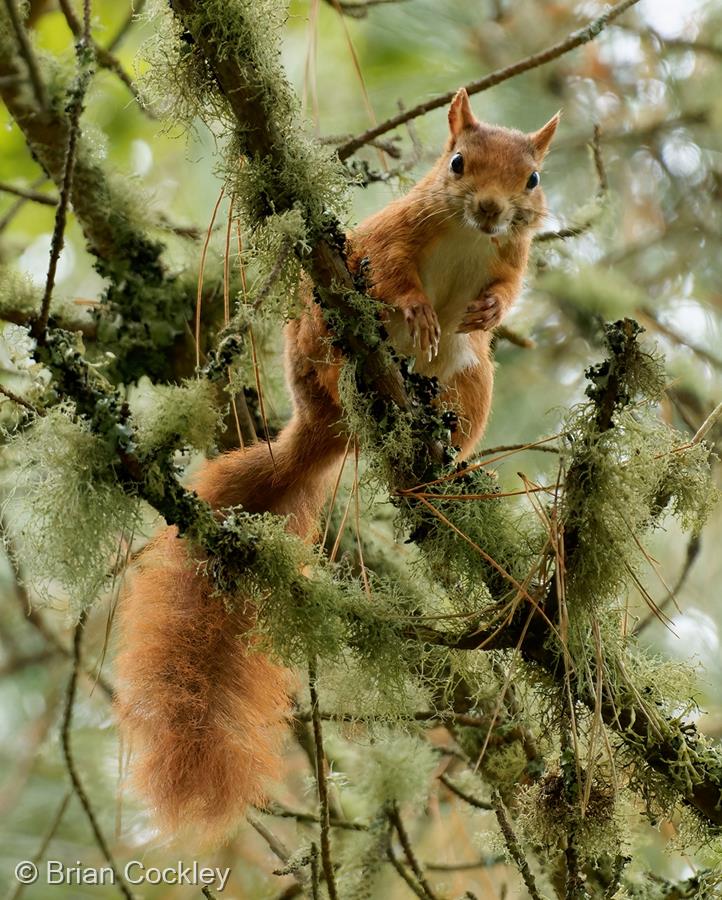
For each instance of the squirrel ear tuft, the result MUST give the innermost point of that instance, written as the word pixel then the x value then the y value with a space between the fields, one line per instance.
pixel 460 114
pixel 541 139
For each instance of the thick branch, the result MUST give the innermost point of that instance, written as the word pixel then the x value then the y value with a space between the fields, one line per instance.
pixel 324 263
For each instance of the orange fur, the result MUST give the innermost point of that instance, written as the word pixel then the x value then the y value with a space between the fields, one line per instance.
pixel 203 714
pixel 201 710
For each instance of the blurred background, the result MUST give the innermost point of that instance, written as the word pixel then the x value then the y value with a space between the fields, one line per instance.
pixel 638 232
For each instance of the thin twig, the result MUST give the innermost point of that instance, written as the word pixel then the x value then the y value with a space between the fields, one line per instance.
pixel 27 54
pixel 395 818
pixel 572 231
pixel 693 548
pixel 467 798
pixel 486 862
pixel 70 762
pixel 513 337
pixel 28 194
pixel 275 843
pixel 315 873
pixel 570 766
pixel 47 838
pixel 277 846
pixel 358 9
pixel 324 815
pixel 103 56
pixel 75 109
pixel 562 234
pixel 596 147
pixel 207 892
pixel 571 42
pixel 283 813
pixel 513 448
pixel 136 8
pixel 17 663
pixel 16 398
pixel 649 317
pixel 411 882
pixel 708 424
pixel 512 845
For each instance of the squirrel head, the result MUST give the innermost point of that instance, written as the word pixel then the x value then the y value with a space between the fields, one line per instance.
pixel 491 174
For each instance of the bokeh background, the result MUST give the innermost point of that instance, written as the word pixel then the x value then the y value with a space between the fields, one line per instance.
pixel 649 246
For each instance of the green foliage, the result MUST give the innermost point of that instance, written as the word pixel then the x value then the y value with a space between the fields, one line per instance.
pixel 475 546
pixel 628 476
pixel 589 293
pixel 18 293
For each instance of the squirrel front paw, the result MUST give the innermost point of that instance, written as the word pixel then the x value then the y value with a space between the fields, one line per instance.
pixel 482 315
pixel 424 328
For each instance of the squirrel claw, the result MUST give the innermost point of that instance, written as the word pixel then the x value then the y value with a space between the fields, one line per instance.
pixel 423 327
pixel 483 314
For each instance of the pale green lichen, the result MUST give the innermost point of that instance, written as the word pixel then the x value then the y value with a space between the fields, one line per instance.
pixel 172 415
pixel 69 517
pixel 601 825
pixel 393 768
pixel 633 472
pixel 302 174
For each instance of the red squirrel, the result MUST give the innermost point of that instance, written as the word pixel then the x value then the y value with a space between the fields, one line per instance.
pixel 203 714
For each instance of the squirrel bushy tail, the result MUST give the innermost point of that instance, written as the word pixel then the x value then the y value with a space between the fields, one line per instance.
pixel 202 714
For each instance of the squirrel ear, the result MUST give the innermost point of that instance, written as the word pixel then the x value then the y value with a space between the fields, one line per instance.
pixel 541 139
pixel 460 114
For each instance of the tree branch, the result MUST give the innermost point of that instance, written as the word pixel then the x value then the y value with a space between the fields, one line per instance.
pixel 103 57
pixel 46 129
pixel 326 858
pixel 395 818
pixel 512 845
pixel 326 266
pixel 574 40
pixel 27 55
pixel 28 194
pixel 358 9
pixel 70 762
pixel 74 111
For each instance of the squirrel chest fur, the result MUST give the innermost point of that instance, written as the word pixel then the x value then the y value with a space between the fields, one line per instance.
pixel 453 269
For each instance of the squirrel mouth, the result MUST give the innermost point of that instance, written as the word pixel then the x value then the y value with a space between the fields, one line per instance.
pixel 494 230
pixel 484 225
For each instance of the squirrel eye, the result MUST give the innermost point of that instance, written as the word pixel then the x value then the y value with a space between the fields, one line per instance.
pixel 533 181
pixel 457 164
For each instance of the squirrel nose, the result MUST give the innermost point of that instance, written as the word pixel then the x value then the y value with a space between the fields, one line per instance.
pixel 489 209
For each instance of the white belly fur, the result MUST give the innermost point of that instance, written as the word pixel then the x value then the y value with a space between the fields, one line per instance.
pixel 453 273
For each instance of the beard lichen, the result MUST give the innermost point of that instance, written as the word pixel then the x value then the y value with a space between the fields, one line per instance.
pixel 175 415
pixel 70 517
